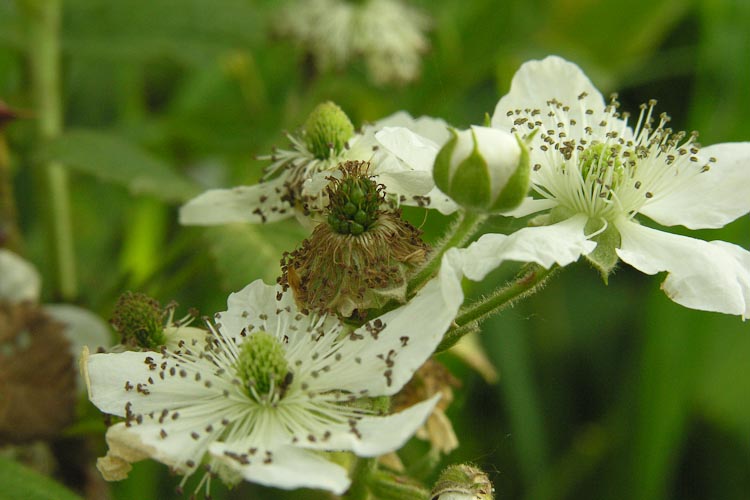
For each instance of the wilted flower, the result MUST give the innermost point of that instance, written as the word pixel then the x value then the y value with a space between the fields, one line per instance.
pixel 358 259
pixel 270 388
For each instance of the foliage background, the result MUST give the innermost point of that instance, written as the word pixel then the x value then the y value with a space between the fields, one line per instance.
pixel 605 391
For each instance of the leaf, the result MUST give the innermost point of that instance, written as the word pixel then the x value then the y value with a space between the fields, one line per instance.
pixel 192 31
pixel 21 482
pixel 113 159
pixel 244 252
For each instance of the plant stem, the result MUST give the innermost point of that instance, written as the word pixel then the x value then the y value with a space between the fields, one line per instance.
pixel 363 470
pixel 457 236
pixel 44 51
pixel 527 282
pixel 387 486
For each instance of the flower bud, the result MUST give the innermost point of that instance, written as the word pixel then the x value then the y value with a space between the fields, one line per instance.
pixel 327 130
pixel 483 169
pixel 462 482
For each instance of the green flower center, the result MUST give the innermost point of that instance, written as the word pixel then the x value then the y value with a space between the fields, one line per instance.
pixel 139 319
pixel 327 130
pixel 602 163
pixel 262 367
pixel 354 201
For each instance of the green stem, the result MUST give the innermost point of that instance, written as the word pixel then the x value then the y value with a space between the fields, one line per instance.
pixel 458 235
pixel 469 317
pixel 363 470
pixel 386 486
pixel 44 51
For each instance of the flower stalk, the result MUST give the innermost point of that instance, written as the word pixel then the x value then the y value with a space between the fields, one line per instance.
pixel 530 280
pixel 44 49
pixel 364 468
pixel 458 235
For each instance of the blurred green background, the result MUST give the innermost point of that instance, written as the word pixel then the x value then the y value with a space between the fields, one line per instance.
pixel 605 392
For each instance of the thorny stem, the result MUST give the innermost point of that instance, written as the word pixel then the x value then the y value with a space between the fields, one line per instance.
pixel 44 51
pixel 457 236
pixel 528 281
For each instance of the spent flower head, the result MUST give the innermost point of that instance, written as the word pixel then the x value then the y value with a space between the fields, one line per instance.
pixel 143 323
pixel 359 257
pixel 269 389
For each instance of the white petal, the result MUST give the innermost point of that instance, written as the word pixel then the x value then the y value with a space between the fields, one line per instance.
pixel 381 363
pixel 289 468
pixel 710 199
pixel 174 446
pixel 415 151
pixel 20 280
pixel 560 243
pixel 536 82
pixel 109 373
pixel 256 204
pixel 377 435
pixel 82 327
pixel 530 206
pixel 710 276
pixel 434 129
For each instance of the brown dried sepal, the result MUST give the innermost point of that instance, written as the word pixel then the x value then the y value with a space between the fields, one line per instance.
pixel 431 378
pixel 37 375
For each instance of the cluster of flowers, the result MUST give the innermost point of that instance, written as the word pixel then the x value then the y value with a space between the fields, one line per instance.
pixel 292 371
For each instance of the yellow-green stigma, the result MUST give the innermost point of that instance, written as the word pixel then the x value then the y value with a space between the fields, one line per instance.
pixel 327 130
pixel 139 319
pixel 263 368
pixel 602 163
pixel 354 200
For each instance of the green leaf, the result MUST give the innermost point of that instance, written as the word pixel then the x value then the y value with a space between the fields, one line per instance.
pixel 113 159
pixel 244 252
pixel 21 482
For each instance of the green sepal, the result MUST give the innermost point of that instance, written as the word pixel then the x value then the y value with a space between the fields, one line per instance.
pixel 441 171
pixel 604 257
pixel 518 185
pixel 470 185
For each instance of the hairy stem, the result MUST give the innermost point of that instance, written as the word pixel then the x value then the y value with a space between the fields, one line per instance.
pixel 528 281
pixel 457 236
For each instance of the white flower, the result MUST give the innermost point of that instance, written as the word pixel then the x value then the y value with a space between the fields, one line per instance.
pixel 297 179
pixel 597 174
pixel 388 34
pixel 594 175
pixel 271 389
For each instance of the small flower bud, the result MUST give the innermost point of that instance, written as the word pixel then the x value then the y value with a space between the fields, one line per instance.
pixel 462 482
pixel 483 169
pixel 327 130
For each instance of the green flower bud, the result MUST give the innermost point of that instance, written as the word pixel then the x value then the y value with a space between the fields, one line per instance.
pixel 327 130
pixel 483 169
pixel 462 482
